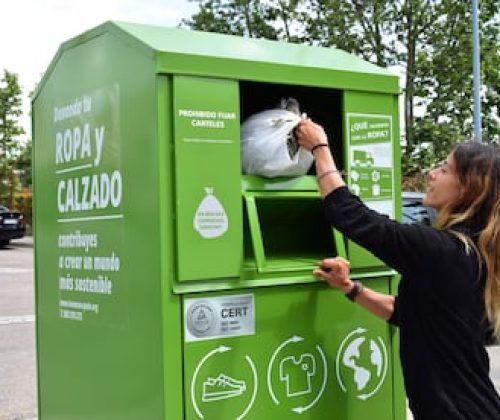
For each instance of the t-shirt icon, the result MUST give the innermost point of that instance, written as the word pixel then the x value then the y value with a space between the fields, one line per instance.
pixel 297 374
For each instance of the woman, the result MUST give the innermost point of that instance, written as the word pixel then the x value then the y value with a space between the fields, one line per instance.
pixel 450 285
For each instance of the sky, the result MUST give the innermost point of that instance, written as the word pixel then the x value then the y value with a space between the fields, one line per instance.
pixel 31 31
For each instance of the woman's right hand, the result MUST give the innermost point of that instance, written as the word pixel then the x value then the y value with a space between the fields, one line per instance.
pixel 335 271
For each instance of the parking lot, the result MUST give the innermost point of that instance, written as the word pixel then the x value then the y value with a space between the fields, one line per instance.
pixel 17 334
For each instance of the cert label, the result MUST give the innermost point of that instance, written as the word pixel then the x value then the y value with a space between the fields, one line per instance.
pixel 221 316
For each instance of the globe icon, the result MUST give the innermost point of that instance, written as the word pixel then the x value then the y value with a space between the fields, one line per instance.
pixel 361 363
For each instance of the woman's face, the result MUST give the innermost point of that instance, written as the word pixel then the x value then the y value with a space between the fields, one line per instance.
pixel 443 186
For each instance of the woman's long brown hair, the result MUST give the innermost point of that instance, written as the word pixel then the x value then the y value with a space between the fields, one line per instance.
pixel 478 169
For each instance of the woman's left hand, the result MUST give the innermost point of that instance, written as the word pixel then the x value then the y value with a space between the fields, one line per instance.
pixel 310 134
pixel 335 271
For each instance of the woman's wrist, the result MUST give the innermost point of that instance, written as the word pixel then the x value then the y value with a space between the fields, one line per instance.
pixel 324 159
pixel 347 287
pixel 355 291
pixel 328 176
pixel 321 149
pixel 319 146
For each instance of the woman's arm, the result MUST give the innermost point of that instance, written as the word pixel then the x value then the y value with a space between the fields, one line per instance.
pixel 379 304
pixel 335 271
pixel 312 137
pixel 407 248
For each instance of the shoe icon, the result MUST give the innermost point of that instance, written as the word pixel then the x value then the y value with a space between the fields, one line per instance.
pixel 221 388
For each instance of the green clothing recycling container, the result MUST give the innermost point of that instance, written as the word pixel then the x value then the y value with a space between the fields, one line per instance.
pixel 168 284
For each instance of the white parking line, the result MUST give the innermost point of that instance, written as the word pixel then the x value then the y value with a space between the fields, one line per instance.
pixel 10 270
pixel 20 319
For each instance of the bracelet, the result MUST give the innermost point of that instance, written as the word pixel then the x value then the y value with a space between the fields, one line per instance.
pixel 331 171
pixel 317 146
pixel 357 288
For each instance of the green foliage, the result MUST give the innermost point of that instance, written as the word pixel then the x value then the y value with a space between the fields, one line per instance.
pixel 360 27
pixel 11 150
pixel 277 20
pixel 445 77
pixel 430 39
pixel 10 110
pixel 23 165
pixel 238 17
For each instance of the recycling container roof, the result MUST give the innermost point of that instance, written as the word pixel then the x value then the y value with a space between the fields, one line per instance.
pixel 182 51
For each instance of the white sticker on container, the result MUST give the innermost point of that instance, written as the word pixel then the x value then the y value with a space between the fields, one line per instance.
pixel 210 220
pixel 221 316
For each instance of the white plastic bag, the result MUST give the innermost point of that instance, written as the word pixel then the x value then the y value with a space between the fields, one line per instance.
pixel 264 149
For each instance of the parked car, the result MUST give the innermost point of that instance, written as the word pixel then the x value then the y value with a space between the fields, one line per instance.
pixel 414 210
pixel 12 225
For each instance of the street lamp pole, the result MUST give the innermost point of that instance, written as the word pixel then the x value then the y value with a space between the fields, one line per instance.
pixel 476 72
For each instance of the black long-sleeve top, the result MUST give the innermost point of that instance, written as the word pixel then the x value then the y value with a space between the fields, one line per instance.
pixel 439 310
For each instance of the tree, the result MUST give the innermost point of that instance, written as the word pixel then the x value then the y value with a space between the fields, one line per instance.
pixel 23 165
pixel 23 200
pixel 444 77
pixel 10 148
pixel 276 20
pixel 416 20
pixel 358 27
pixel 236 17
pixel 430 40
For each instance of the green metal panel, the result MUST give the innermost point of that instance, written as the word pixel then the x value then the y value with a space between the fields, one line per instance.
pixel 98 295
pixel 171 316
pixel 213 55
pixel 210 54
pixel 398 387
pixel 372 127
pixel 198 44
pixel 281 242
pixel 143 220
pixel 371 141
pixel 312 353
pixel 207 159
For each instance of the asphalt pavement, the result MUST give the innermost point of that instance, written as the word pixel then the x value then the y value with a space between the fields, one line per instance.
pixel 18 399
pixel 18 388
